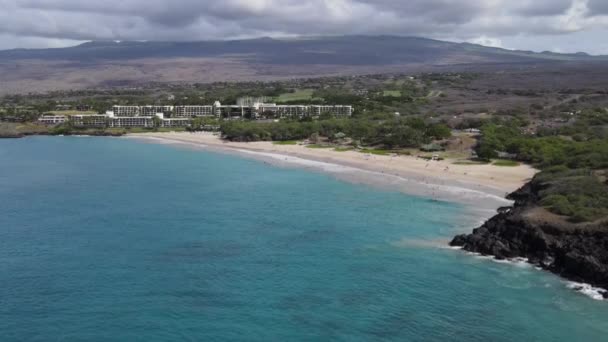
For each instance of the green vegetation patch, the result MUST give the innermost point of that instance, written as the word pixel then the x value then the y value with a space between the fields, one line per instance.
pixel 505 162
pixel 298 95
pixel 343 149
pixel 392 93
pixel 318 146
pixel 396 133
pixel 286 142
pixel 578 194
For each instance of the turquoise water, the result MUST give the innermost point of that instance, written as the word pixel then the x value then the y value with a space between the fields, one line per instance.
pixel 105 239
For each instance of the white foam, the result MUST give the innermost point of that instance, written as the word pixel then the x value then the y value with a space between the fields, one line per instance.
pixel 164 141
pixel 587 290
pixel 518 261
pixel 324 166
pixel 455 191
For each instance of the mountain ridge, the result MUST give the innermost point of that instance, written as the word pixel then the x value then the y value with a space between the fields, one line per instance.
pixel 355 50
pixel 135 63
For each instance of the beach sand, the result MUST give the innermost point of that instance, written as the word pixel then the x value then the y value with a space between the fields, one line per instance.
pixel 483 186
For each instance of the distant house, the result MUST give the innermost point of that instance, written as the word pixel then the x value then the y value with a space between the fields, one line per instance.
pixel 63 107
pixel 52 119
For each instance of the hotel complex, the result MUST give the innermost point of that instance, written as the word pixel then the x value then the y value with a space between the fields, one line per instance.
pixel 181 116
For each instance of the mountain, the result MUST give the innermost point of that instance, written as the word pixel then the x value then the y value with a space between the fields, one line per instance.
pixel 350 50
pixel 123 63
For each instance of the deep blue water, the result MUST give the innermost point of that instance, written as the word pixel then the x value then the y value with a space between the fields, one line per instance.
pixel 105 239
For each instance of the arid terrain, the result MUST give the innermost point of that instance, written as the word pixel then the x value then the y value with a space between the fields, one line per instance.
pixel 108 64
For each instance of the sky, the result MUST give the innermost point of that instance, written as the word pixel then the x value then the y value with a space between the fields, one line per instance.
pixel 538 25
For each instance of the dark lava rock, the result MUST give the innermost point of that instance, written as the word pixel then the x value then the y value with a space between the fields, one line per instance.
pixel 579 254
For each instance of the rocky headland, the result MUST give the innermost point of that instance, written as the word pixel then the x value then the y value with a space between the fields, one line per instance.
pixel 576 251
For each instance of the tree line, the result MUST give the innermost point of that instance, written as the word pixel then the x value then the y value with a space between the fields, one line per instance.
pixel 393 133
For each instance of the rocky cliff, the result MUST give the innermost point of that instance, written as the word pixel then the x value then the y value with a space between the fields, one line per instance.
pixel 578 252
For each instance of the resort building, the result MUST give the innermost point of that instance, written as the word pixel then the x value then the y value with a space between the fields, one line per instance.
pixel 232 111
pixel 175 123
pixel 93 121
pixel 193 111
pixel 180 116
pixel 52 119
pixel 133 121
pixel 243 110
pixel 293 111
pixel 153 110
pixel 283 111
pixel 126 111
pixel 336 110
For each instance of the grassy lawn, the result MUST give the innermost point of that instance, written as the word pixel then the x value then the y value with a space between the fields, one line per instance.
pixel 342 149
pixel 318 146
pixel 392 93
pixel 286 142
pixel 504 162
pixel 298 95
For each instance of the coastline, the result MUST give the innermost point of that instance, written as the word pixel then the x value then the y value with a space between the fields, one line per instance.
pixel 479 201
pixel 482 188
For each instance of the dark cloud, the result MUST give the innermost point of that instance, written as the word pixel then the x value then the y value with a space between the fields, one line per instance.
pixel 597 7
pixel 482 20
pixel 439 11
pixel 544 8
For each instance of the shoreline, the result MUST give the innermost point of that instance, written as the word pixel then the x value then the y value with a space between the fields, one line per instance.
pixel 481 188
pixel 480 202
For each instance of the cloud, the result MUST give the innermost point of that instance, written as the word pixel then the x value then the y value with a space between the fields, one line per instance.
pixel 598 7
pixel 463 20
pixel 542 8
pixel 487 41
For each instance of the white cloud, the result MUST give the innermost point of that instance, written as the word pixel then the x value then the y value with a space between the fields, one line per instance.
pixel 487 41
pixel 482 21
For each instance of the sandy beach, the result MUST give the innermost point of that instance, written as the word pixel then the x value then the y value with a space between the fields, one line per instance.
pixel 481 185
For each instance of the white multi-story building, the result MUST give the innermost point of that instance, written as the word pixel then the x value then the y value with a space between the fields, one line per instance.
pixel 135 116
pixel 52 119
pixel 265 110
pixel 337 110
pixel 293 111
pixel 94 121
pixel 153 110
pixel 126 111
pixel 193 111
pixel 282 111
pixel 231 111
pixel 175 122
pixel 133 121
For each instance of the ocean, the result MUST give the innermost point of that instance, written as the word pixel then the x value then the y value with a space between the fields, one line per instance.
pixel 113 239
